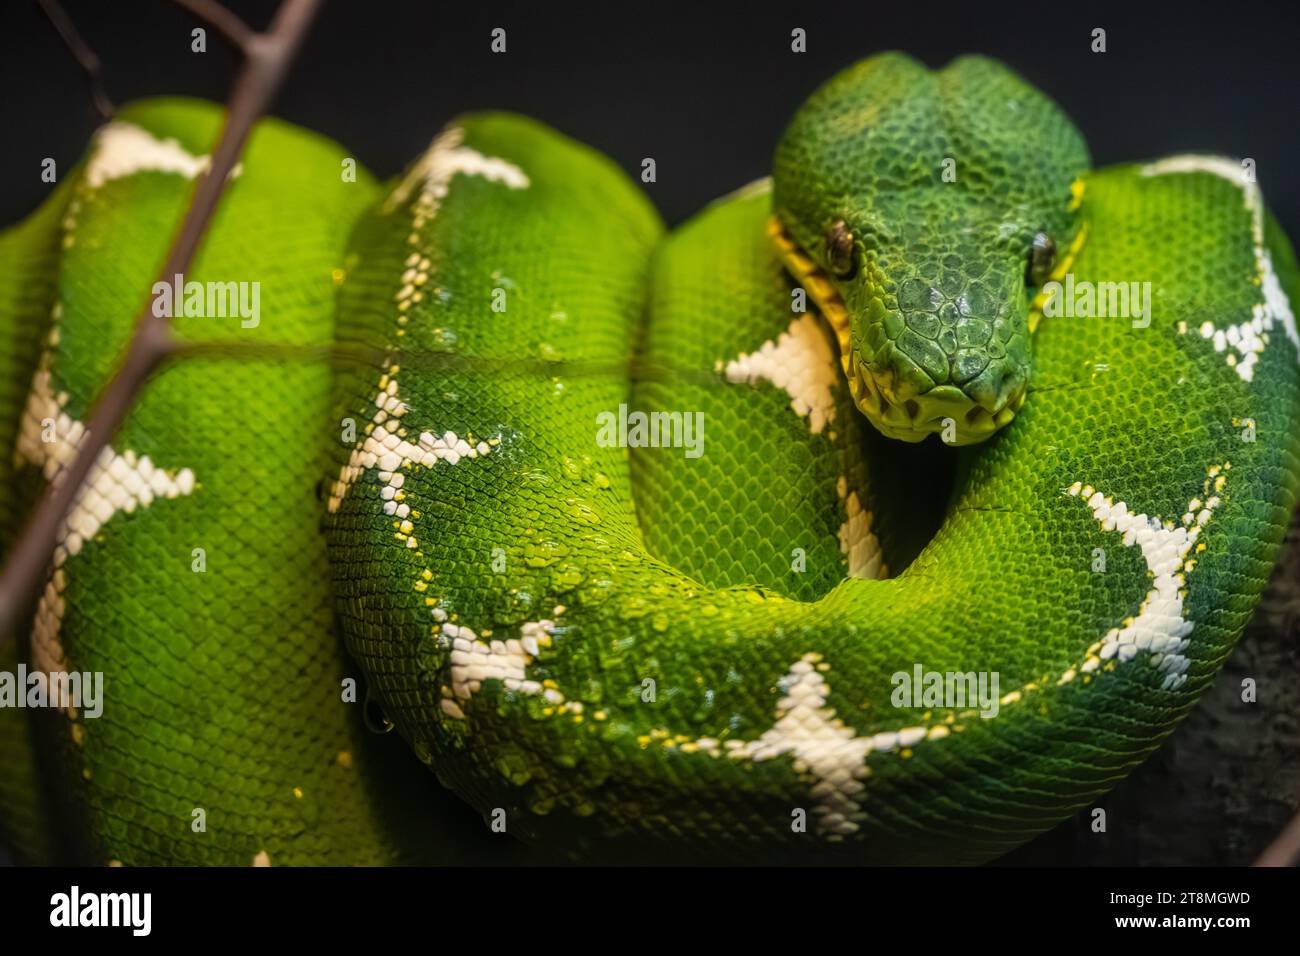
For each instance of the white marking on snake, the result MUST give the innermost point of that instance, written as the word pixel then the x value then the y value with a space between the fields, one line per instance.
pixel 835 754
pixel 116 483
pixel 821 745
pixel 123 149
pixel 857 541
pixel 474 660
pixel 444 158
pixel 802 363
pixel 385 449
pixel 1160 627
pixel 384 445
pixel 1247 339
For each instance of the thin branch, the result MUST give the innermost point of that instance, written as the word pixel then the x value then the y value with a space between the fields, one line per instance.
pixel 82 53
pixel 1285 848
pixel 266 59
pixel 634 372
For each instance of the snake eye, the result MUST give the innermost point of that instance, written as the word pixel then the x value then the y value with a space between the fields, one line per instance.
pixel 1042 256
pixel 839 249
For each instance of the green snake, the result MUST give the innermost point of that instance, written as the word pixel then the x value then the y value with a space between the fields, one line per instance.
pixel 617 534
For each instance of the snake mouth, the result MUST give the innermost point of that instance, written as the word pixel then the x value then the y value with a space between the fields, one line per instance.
pixel 944 409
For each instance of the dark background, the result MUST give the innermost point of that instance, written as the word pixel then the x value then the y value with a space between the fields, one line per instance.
pixel 704 90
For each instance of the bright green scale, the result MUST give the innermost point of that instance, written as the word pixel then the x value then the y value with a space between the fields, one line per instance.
pixel 593 644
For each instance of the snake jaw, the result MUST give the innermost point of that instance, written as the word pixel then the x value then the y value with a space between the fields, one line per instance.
pixel 943 409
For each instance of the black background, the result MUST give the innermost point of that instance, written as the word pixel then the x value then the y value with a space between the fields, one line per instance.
pixel 705 90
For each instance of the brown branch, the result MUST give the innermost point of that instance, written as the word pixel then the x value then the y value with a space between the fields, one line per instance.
pixel 81 52
pixel 370 356
pixel 266 58
pixel 1285 848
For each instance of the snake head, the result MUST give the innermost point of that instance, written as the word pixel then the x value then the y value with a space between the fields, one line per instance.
pixel 922 210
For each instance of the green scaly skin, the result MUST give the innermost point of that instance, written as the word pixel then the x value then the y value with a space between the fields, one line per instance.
pixel 223 688
pixel 593 644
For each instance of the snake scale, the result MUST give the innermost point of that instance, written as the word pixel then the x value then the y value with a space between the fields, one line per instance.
pixel 643 539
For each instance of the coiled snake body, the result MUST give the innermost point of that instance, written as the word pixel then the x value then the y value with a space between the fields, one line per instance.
pixel 615 533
